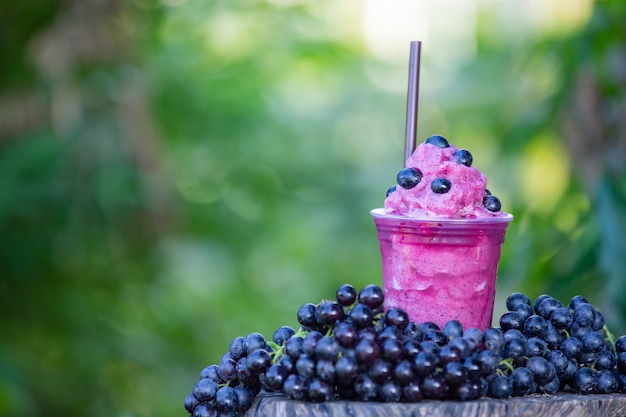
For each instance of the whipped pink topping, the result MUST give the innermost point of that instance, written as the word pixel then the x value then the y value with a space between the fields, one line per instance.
pixel 464 199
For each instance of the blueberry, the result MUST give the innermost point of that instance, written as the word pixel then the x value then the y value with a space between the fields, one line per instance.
pixel 463 156
pixel 439 141
pixel 516 298
pixel 492 203
pixel 409 178
pixel 390 190
pixel 440 185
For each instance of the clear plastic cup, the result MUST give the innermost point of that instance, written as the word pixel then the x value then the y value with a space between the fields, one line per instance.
pixel 441 269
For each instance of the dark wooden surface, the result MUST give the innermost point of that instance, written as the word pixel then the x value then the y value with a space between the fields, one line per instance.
pixel 560 405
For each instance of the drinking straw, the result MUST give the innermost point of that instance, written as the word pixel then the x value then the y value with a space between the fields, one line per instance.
pixel 412 99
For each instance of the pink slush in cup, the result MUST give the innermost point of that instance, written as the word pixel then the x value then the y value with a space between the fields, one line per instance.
pixel 441 234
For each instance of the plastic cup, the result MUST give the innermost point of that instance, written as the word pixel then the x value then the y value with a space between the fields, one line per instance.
pixel 441 269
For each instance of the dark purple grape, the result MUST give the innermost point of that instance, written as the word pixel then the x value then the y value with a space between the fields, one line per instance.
pixel 273 379
pixel 593 342
pixel 620 344
pixel 245 397
pixel 361 316
pixel 515 299
pixel 572 347
pixel 372 296
pixel 576 300
pixel 551 387
pixel 493 339
pixel 553 337
pixel 237 348
pixel 561 319
pixel 409 177
pixel 327 348
pixel 547 306
pixel 429 326
pixel 524 311
pixel 403 372
pixel 345 334
pixel 390 391
pixel 572 367
pixel 584 381
pixel 306 315
pixel 293 347
pixel 599 322
pixel 605 360
pixel 536 347
pixel 501 387
pixel 255 341
pixel 578 331
pixel 489 361
pixel 462 345
pixel 365 389
pixel 391 350
pixel 455 373
pixel 328 313
pixel 514 348
pixel 226 399
pixel 606 382
pixel 310 342
pixel 320 390
pixel 514 334
pixel 473 368
pixel 367 351
pixel 212 372
pixel 325 370
pixel 305 366
pixel 282 334
pixel 413 330
pixel 473 336
pixel 380 370
pixel 511 320
pixel 346 295
pixel 492 203
pixel 346 370
pixel 388 332
pixel 559 361
pixel 538 301
pixel 452 329
pixel 286 362
pixel 449 353
pixel 397 317
pixel 542 370
pixel 425 363
pixel 585 314
pixel 295 387
pixel 227 369
pixel 435 336
pixel 438 140
pixel 535 325
pixel 258 361
pixel 191 402
pixel 412 393
pixel 241 368
pixel 411 348
pixel 434 387
pixel 440 185
pixel 205 410
pixel 523 381
pixel 464 157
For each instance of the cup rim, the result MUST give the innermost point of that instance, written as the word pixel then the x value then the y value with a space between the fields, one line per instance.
pixel 379 213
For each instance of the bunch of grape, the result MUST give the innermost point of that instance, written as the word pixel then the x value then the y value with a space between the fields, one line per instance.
pixel 351 348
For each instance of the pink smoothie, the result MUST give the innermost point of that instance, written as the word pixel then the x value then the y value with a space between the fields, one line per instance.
pixel 440 251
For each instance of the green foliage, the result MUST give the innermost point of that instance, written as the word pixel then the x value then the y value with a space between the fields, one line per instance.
pixel 221 173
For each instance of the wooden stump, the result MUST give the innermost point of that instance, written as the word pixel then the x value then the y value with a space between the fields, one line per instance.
pixel 560 405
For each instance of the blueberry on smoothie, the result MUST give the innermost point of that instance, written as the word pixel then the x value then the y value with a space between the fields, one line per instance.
pixel 440 185
pixel 463 156
pixel 391 190
pixel 409 177
pixel 439 141
pixel 492 203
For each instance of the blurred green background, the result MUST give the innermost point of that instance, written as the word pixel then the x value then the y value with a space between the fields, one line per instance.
pixel 177 173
